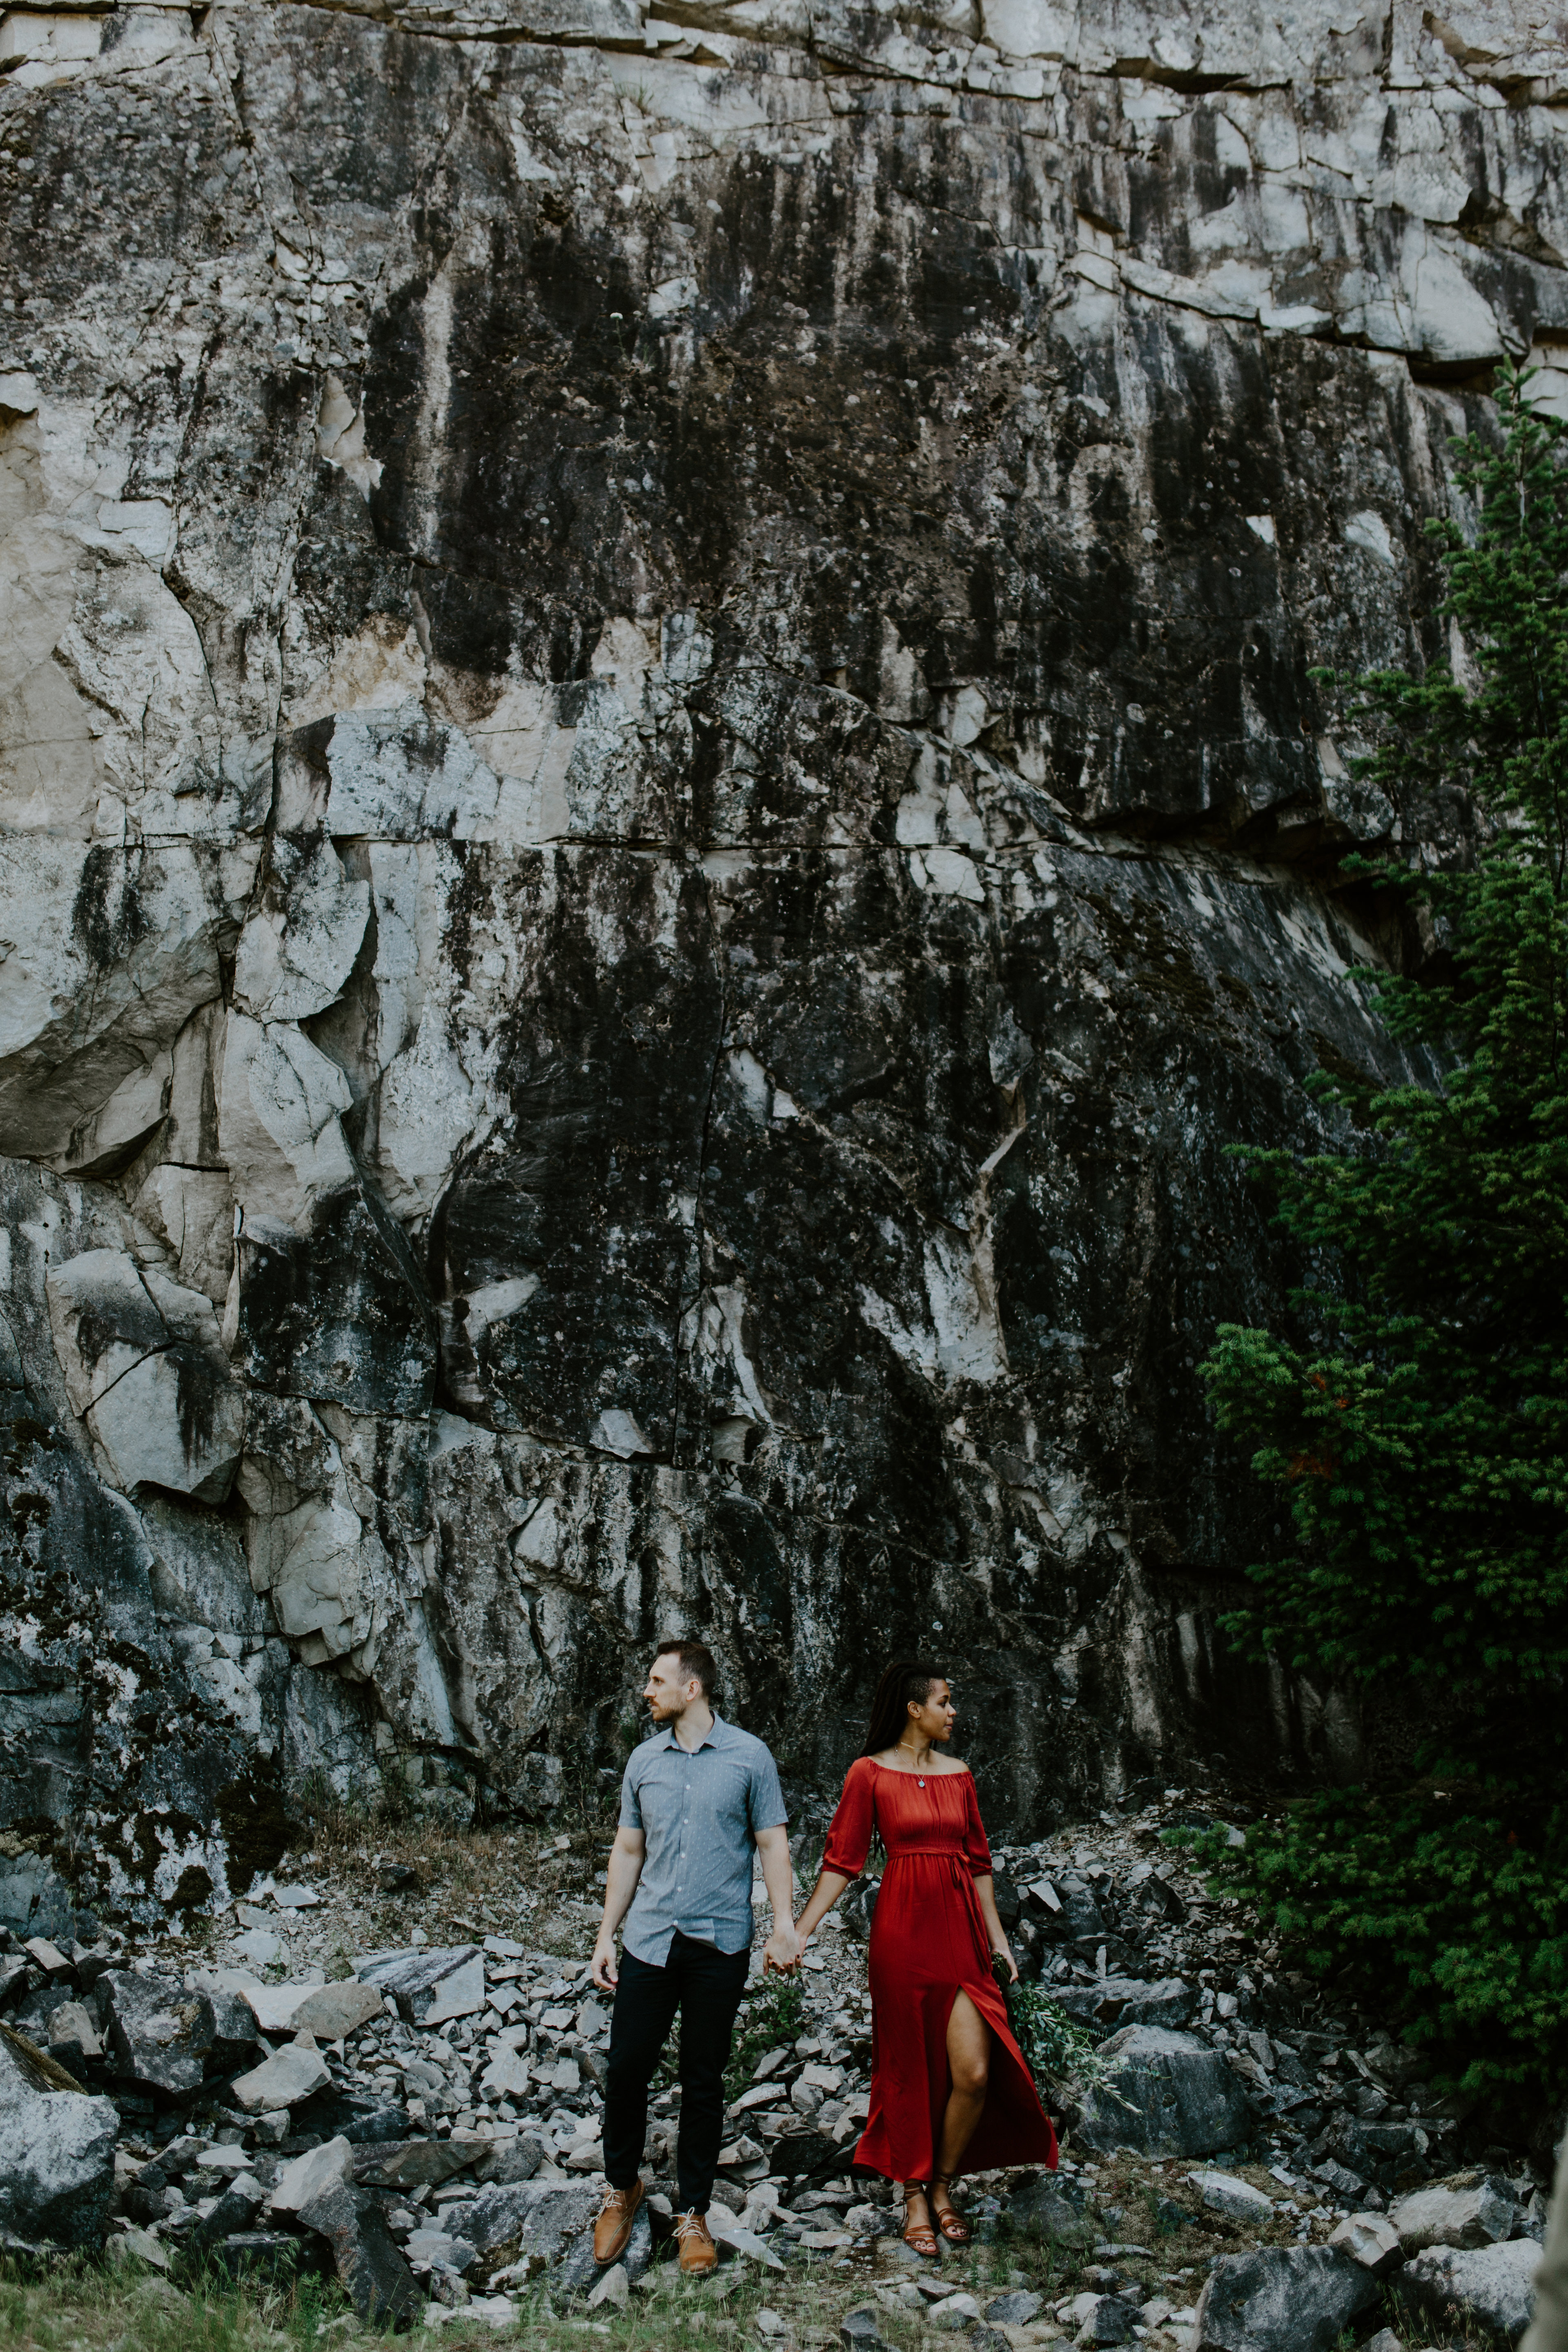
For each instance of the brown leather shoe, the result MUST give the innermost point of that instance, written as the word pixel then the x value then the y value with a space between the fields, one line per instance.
pixel 699 2254
pixel 612 2222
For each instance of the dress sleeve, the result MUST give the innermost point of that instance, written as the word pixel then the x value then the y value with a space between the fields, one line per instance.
pixel 977 1849
pixel 849 1831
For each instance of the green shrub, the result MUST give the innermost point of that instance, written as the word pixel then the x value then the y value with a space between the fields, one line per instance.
pixel 1412 1417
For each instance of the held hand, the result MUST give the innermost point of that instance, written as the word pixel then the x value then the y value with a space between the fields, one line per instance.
pixel 783 1949
pixel 603 1964
pixel 1006 1957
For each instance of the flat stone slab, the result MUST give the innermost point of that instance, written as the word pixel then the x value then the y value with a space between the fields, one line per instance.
pixel 282 2080
pixel 333 2011
pixel 429 1987
pixel 416 2163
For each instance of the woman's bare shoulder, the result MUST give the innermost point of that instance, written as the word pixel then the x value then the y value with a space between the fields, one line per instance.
pixel 948 1764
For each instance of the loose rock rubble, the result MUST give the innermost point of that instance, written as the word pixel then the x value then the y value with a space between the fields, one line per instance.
pixel 426 2127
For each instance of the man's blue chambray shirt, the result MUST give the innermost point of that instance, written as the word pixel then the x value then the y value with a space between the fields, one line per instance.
pixel 700 1816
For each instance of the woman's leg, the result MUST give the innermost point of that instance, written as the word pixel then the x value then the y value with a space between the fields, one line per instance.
pixel 968 2066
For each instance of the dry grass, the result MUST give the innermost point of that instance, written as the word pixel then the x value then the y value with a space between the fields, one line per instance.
pixel 500 1880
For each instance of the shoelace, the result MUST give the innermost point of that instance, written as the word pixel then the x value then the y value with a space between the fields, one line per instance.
pixel 689 2224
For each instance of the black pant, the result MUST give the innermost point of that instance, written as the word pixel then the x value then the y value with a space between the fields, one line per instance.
pixel 706 1986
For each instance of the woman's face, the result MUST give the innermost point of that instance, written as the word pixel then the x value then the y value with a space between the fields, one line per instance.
pixel 935 1719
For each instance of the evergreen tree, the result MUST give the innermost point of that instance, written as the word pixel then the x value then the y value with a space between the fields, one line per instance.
pixel 1418 1433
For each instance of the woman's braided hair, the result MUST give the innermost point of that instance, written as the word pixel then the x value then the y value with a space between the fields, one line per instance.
pixel 906 1680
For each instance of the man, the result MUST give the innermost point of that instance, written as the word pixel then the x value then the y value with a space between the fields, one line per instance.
pixel 697 1797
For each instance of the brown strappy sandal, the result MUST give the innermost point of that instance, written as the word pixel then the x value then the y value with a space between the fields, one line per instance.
pixel 949 2219
pixel 919 2236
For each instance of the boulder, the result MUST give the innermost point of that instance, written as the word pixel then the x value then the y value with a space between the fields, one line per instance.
pixel 955 2311
pixel 1468 2209
pixel 1371 2240
pixel 1129 2001
pixel 56 2151
pixel 290 2075
pixel 333 2011
pixel 1051 2210
pixel 430 1987
pixel 505 2223
pixel 312 2176
pixel 1282 2299
pixel 435 2248
pixel 1167 2094
pixel 74 2038
pixel 509 2159
pixel 1015 2309
pixel 1105 2319
pixel 1224 2193
pixel 420 2163
pixel 506 2076
pixel 372 2273
pixel 156 2033
pixel 365 2118
pixel 1475 2287
pixel 575 2269
pixel 235 2212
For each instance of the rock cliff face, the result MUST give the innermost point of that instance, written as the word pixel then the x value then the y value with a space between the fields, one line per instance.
pixel 662 805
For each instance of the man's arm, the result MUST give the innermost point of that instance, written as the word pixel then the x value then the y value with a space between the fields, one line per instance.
pixel 621 1885
pixel 783 1948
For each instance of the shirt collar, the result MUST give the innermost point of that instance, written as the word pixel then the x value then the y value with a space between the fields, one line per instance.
pixel 714 1738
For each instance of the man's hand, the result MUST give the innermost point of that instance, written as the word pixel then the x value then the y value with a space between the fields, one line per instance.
pixel 604 1962
pixel 783 1949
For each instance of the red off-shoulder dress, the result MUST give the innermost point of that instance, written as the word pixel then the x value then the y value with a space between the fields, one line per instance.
pixel 929 1940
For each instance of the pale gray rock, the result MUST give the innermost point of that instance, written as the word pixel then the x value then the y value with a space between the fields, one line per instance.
pixel 1166 2094
pixel 1487 2287
pixel 1467 2210
pixel 1236 2199
pixel 291 2074
pixel 1280 2299
pixel 1370 2239
pixel 428 1986
pixel 333 2011
pixel 57 2152
pixel 74 2037
pixel 310 2176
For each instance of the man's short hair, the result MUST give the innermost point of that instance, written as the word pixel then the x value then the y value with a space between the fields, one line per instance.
pixel 696 1661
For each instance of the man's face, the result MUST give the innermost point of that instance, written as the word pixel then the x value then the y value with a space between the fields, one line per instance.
pixel 668 1692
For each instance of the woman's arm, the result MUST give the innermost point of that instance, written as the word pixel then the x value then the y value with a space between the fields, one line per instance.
pixel 823 1896
pixel 985 1893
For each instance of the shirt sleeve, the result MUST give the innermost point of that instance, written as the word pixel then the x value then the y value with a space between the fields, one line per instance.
pixel 977 1848
pixel 849 1831
pixel 765 1807
pixel 631 1812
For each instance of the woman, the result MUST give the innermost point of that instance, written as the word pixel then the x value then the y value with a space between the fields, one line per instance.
pixel 948 2081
